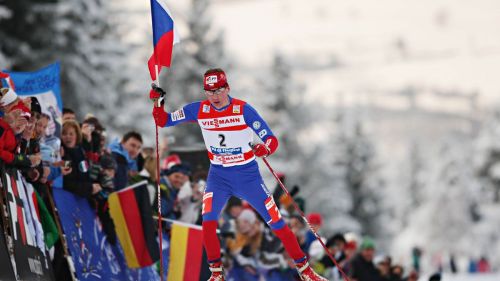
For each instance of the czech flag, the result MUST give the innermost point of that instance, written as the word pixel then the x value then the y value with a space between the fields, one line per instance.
pixel 133 217
pixel 164 37
pixel 6 81
pixel 186 249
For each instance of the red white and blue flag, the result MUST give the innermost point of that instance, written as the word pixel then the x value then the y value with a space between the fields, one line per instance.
pixel 6 81
pixel 164 37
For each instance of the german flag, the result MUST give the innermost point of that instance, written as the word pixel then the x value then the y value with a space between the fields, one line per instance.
pixel 186 248
pixel 133 217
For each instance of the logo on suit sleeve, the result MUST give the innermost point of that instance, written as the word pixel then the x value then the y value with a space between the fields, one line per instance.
pixel 256 125
pixel 207 203
pixel 262 133
pixel 178 115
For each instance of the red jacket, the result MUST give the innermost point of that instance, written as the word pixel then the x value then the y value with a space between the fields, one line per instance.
pixel 8 143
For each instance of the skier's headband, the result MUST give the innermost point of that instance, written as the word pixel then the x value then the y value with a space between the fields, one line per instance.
pixel 214 80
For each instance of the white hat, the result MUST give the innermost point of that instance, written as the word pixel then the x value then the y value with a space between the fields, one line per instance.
pixel 8 96
pixel 248 215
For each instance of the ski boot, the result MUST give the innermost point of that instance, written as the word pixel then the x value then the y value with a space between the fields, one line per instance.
pixel 217 271
pixel 307 273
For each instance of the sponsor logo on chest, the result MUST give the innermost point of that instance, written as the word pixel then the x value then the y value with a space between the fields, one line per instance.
pixel 222 122
pixel 206 108
pixel 236 108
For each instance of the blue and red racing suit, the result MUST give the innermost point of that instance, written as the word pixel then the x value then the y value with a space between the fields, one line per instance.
pixel 227 133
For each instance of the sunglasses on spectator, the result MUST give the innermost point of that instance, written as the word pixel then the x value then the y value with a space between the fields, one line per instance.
pixel 215 92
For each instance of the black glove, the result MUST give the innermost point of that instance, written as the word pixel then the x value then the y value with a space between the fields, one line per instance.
pixel 21 160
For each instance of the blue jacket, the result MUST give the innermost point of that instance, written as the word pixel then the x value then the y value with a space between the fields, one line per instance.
pixel 124 164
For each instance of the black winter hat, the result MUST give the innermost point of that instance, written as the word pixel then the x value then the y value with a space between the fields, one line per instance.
pixel 35 106
pixel 107 162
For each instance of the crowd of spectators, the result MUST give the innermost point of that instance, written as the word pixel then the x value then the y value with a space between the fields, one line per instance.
pixel 93 166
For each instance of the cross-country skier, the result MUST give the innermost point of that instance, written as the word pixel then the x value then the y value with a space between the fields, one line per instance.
pixel 227 125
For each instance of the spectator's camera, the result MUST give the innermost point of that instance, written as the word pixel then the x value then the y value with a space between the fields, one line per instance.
pixel 67 164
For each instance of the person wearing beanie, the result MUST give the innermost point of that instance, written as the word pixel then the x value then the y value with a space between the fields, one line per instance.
pixel 7 96
pixel 171 183
pixel 13 123
pixel 361 267
pixel 228 126
pixel 316 221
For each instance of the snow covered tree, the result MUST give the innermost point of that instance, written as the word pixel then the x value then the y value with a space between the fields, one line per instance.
pixel 80 34
pixel 92 75
pixel 289 117
pixel 352 191
pixel 449 219
pixel 202 48
pixel 487 156
pixel 410 191
pixel 25 29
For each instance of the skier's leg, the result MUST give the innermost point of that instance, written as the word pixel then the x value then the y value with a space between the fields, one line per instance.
pixel 214 198
pixel 253 189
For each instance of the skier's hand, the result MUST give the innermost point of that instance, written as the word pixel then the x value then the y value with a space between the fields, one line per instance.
pixel 157 94
pixel 160 116
pixel 261 150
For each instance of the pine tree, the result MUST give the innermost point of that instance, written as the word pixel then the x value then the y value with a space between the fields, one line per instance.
pixel 487 156
pixel 93 64
pixel 25 29
pixel 95 76
pixel 288 115
pixel 201 49
pixel 444 221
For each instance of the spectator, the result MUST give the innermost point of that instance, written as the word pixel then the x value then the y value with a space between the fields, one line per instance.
pixel 397 272
pixel 29 143
pixel 483 266
pixel 244 247
pixel 68 114
pixel 383 264
pixel 315 220
pixel 336 245
pixel 435 277
pixel 79 180
pixel 416 256
pixel 361 266
pixel 170 184
pixel 298 227
pixel 125 152
pixel 14 122
pixel 413 276
pixel 149 173
pixel 232 210
pixel 190 206
pixel 99 201
pixel 91 141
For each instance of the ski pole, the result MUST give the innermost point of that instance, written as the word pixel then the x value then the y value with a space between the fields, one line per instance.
pixel 344 276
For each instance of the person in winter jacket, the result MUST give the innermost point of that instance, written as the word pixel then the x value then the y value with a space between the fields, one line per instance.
pixel 361 266
pixel 78 181
pixel 125 153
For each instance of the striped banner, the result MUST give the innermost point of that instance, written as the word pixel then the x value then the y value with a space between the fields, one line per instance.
pixel 186 248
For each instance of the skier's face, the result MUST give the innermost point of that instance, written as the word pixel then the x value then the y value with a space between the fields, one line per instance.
pixel 219 97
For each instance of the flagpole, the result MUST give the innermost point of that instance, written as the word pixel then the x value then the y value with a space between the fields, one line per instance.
pixel 158 188
pixel 157 80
